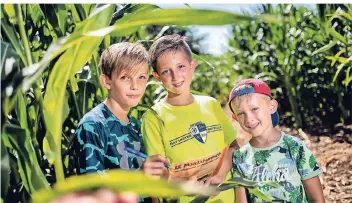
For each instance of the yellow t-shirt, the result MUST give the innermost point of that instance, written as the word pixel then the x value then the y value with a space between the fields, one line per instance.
pixel 193 137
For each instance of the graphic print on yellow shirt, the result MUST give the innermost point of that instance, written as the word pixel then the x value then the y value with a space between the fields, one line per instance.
pixel 193 137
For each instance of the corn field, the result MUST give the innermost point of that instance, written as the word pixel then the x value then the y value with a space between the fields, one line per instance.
pixel 50 75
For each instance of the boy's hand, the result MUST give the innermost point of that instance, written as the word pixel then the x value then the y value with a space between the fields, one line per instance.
pixel 155 166
pixel 214 180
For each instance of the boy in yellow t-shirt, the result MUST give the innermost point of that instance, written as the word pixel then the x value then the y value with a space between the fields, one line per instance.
pixel 192 131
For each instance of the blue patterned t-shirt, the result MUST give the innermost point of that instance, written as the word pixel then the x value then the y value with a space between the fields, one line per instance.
pixel 101 139
pixel 288 162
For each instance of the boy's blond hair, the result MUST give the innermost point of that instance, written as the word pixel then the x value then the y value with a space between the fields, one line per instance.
pixel 122 56
pixel 168 43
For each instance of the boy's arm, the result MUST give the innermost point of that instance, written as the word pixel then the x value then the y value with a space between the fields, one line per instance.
pixel 314 190
pixel 309 170
pixel 152 134
pixel 225 166
pixel 230 138
pixel 154 147
pixel 240 195
pixel 90 151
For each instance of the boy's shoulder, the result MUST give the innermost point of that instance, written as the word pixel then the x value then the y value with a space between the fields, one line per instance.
pixel 290 139
pixel 199 99
pixel 204 98
pixel 97 115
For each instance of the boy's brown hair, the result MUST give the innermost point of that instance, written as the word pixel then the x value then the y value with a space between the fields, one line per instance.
pixel 168 43
pixel 121 56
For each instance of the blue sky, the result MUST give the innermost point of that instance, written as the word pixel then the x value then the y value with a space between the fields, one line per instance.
pixel 216 42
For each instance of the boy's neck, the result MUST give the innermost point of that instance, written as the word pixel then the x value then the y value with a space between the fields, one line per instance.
pixel 117 110
pixel 179 99
pixel 267 139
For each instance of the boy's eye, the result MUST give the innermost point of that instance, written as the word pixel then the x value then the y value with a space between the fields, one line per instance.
pixel 181 66
pixel 142 77
pixel 240 114
pixel 165 72
pixel 124 77
pixel 254 109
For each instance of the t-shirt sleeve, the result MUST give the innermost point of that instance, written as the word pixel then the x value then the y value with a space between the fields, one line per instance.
pixel 306 163
pixel 152 129
pixel 235 172
pixel 229 130
pixel 90 148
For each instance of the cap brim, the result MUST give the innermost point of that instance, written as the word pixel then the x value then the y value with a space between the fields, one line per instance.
pixel 275 118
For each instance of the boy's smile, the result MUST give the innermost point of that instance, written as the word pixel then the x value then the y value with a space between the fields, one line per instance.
pixel 253 113
pixel 175 72
pixel 178 84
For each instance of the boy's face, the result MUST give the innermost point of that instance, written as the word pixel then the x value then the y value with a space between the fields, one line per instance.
pixel 127 89
pixel 175 72
pixel 253 112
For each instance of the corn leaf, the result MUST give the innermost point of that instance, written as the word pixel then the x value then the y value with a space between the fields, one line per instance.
pixel 325 48
pixel 120 181
pixel 30 172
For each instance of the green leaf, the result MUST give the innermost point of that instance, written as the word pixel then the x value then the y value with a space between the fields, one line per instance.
pixel 251 185
pixel 30 172
pixel 5 170
pixel 260 194
pixel 14 39
pixel 248 183
pixel 62 16
pixel 338 15
pixel 9 66
pixel 107 41
pixel 21 112
pixel 337 35
pixel 10 10
pixel 348 78
pixel 199 58
pixel 88 8
pixel 67 65
pixel 37 14
pixel 143 107
pixel 188 5
pixel 339 68
pixel 339 59
pixel 49 154
pixel 74 13
pixel 81 11
pixel 73 82
pixel 130 24
pixel 325 48
pixel 120 181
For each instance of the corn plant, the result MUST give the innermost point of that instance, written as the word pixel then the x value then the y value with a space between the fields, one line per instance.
pixel 282 55
pixel 49 57
pixel 337 21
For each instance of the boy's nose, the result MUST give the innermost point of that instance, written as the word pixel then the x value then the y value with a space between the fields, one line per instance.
pixel 134 85
pixel 175 75
pixel 249 119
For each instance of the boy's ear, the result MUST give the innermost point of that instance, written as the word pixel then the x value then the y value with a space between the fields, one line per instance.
pixel 106 81
pixel 273 106
pixel 156 75
pixel 193 64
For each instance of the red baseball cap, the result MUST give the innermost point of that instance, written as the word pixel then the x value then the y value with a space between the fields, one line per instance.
pixel 258 86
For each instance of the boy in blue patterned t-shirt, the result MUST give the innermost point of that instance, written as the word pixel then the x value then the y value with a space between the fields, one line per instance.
pixel 271 155
pixel 105 131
